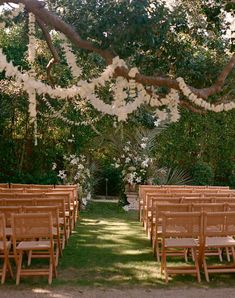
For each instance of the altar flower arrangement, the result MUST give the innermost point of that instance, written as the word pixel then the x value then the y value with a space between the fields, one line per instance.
pixel 134 162
pixel 76 171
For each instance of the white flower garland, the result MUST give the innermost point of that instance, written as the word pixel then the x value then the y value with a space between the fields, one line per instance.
pixel 201 102
pixel 70 57
pixel 58 115
pixel 32 39
pixel 128 95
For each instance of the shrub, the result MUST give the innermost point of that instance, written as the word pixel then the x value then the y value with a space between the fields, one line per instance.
pixel 202 174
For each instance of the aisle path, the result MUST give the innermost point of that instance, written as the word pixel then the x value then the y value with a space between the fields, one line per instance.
pixel 109 247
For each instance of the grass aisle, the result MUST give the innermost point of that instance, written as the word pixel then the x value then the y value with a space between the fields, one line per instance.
pixel 109 248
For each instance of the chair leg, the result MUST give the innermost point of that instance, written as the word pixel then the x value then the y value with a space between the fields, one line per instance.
pixel 186 255
pixel 4 270
pixel 29 257
pixel 53 263
pixel 233 254
pixel 194 253
pixel 19 264
pixel 227 254
pixel 9 268
pixel 220 255
pixel 205 269
pixel 157 249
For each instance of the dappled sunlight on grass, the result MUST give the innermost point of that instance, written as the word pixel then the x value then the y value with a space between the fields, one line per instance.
pixel 110 248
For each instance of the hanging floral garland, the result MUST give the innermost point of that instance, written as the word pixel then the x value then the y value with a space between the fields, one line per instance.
pixel 128 95
pixel 58 115
pixel 70 57
pixel 202 103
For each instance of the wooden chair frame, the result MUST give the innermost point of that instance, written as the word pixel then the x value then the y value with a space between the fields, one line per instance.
pixel 4 250
pixel 27 228
pixel 179 231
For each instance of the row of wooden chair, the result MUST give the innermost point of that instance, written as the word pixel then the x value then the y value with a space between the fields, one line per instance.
pixel 71 201
pixel 197 232
pixel 152 201
pixel 155 229
pixel 147 193
pixel 41 208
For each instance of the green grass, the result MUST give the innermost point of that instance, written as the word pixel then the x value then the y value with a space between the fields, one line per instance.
pixel 109 248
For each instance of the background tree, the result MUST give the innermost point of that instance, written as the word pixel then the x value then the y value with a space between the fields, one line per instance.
pixel 187 40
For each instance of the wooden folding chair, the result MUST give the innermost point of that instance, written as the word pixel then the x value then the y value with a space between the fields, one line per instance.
pixel 54 210
pixel 159 209
pixel 218 232
pixel 33 232
pixel 180 230
pixel 5 247
pixel 212 207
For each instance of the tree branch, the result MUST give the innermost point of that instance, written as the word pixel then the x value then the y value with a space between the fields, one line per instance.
pixel 53 50
pixel 188 106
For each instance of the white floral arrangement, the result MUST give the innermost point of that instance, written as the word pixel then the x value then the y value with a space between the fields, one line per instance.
pixel 76 170
pixel 134 162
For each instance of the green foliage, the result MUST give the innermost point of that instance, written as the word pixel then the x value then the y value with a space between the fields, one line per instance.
pixel 202 174
pixel 111 176
pixel 172 176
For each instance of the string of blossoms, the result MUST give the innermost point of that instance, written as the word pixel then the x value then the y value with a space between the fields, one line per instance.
pixel 84 89
pixel 70 57
pixel 58 115
pixel 88 90
pixel 31 59
pixel 202 103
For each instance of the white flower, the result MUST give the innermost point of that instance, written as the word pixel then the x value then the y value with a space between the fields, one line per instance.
pixel 74 161
pixel 143 145
pixel 116 165
pixel 54 165
pixel 80 167
pixel 126 208
pixel 156 123
pixel 84 201
pixel 126 149
pixel 62 174
pixel 127 160
pixel 138 179
pixel 144 164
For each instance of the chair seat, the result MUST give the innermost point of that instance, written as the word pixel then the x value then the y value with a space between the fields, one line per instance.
pixel 219 241
pixel 8 244
pixel 180 242
pixel 31 245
